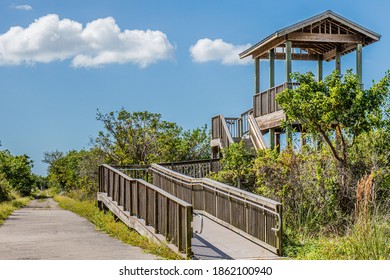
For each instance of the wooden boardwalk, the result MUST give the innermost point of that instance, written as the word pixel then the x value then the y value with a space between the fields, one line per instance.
pixel 217 242
pixel 236 224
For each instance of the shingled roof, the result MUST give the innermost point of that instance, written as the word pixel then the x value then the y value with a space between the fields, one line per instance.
pixel 316 37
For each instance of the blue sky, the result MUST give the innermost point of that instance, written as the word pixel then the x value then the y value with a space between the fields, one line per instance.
pixel 62 60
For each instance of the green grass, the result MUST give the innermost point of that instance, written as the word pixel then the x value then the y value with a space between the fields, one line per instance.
pixel 7 207
pixel 364 241
pixel 107 223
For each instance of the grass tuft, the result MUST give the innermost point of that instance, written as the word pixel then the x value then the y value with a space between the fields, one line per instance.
pixel 364 241
pixel 7 207
pixel 106 222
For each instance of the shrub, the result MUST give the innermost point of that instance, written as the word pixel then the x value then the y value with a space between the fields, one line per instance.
pixel 237 165
pixel 305 183
pixel 5 188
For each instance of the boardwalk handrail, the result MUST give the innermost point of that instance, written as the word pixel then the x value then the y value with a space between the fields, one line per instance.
pixel 255 217
pixel 265 102
pixel 255 134
pixel 221 131
pixel 195 168
pixel 166 213
pixel 229 129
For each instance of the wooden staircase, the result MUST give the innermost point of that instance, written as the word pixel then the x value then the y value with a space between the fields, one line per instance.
pixel 226 131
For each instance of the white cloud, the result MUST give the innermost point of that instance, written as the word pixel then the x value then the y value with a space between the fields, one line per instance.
pixel 206 50
pixel 100 42
pixel 22 7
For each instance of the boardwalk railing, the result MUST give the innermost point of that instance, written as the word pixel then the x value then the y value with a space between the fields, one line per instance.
pixel 195 168
pixel 221 131
pixel 265 102
pixel 255 217
pixel 230 130
pixel 167 214
pixel 255 134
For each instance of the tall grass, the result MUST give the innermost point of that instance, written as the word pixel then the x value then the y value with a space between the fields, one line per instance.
pixel 7 207
pixel 366 240
pixel 107 223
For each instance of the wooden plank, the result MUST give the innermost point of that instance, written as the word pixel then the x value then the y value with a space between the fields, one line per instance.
pixel 264 48
pixel 295 56
pixel 343 49
pixel 328 38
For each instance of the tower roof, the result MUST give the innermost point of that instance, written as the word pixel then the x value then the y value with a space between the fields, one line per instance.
pixel 314 38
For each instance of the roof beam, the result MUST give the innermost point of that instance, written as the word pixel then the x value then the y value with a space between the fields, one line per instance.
pixel 295 56
pixel 267 46
pixel 328 38
pixel 332 54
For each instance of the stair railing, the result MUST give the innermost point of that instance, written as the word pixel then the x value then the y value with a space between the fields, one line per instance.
pixel 255 134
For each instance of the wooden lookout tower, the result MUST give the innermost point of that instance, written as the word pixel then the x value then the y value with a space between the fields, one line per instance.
pixel 324 37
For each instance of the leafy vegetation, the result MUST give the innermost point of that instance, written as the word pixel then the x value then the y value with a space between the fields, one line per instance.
pixel 128 138
pixel 15 175
pixel 108 224
pixel 142 137
pixel 335 190
pixel 237 165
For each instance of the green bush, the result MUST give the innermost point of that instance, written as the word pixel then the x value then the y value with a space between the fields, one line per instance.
pixel 17 171
pixel 5 188
pixel 305 183
pixel 237 165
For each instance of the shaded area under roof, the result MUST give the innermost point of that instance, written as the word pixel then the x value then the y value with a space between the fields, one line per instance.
pixel 318 37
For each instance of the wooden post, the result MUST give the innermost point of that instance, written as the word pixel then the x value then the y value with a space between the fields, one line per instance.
pixel 277 141
pixel 179 225
pixel 288 80
pixel 257 75
pixel 188 220
pixel 288 61
pixel 279 233
pixel 319 69
pixel 271 56
pixel 359 62
pixel 271 132
pixel 338 59
pixel 155 212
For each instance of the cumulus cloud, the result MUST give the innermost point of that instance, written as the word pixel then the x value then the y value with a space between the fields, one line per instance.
pixel 100 42
pixel 22 7
pixel 206 50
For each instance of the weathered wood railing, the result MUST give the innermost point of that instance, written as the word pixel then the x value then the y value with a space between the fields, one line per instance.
pixel 255 217
pixel 255 134
pixel 166 213
pixel 195 168
pixel 139 171
pixel 265 102
pixel 230 130
pixel 221 131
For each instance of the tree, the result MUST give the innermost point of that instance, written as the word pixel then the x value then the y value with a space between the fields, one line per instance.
pixel 237 165
pixel 16 171
pixel 143 137
pixel 337 110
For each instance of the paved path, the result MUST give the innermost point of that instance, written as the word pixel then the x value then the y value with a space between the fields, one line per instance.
pixel 42 230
